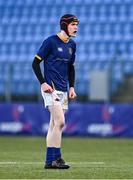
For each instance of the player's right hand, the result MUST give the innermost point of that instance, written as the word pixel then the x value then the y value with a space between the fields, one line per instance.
pixel 46 88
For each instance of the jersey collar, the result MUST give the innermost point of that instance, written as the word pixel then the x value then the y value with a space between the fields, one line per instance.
pixel 64 39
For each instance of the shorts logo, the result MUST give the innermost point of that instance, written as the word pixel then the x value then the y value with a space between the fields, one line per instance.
pixel 60 49
pixel 60 96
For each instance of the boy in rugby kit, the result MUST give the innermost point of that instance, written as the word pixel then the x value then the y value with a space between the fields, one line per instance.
pixel 57 84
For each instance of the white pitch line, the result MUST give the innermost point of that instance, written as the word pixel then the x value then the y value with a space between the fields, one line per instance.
pixel 30 163
pixel 86 163
pixel 17 162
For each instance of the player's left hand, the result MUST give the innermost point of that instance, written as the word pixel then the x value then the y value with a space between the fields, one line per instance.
pixel 72 93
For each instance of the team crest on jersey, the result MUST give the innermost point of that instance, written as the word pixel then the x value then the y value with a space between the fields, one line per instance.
pixel 70 51
pixel 60 49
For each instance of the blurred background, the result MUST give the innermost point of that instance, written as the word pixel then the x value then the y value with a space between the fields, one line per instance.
pixel 104 66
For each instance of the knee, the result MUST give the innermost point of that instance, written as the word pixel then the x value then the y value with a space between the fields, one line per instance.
pixel 59 121
pixel 60 124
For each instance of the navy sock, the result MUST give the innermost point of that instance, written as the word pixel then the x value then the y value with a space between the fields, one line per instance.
pixel 57 153
pixel 50 155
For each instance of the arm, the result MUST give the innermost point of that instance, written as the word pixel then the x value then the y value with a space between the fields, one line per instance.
pixel 71 78
pixel 37 70
pixel 71 75
pixel 42 53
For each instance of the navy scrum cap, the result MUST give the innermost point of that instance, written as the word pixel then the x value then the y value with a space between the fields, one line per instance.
pixel 67 19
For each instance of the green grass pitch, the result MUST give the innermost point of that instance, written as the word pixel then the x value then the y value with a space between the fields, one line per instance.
pixel 90 158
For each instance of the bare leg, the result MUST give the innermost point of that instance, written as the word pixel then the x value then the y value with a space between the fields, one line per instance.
pixel 56 125
pixel 50 129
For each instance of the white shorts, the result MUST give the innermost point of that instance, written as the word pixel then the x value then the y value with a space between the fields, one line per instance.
pixel 55 98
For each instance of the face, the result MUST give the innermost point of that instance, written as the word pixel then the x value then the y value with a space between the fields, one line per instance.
pixel 72 28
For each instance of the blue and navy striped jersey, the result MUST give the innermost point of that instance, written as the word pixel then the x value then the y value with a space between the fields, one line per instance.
pixel 57 56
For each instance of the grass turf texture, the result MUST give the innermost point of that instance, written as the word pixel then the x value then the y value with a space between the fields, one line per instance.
pixel 22 158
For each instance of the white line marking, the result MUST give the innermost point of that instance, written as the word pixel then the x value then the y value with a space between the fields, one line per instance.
pixel 86 163
pixel 30 163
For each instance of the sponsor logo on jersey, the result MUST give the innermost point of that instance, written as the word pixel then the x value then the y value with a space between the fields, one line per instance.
pixel 60 49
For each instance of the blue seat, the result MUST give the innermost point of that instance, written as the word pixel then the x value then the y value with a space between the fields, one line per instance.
pixel 105 27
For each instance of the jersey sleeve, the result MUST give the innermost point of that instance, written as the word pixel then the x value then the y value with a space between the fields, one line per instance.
pixel 44 50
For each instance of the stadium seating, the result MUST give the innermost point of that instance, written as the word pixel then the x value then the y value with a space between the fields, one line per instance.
pixel 105 36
